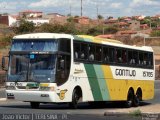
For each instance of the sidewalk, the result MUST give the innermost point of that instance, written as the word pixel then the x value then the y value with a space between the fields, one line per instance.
pixel 152 108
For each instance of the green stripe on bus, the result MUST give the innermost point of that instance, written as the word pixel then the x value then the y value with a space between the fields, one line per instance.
pixel 82 39
pixel 77 38
pixel 88 40
pixel 93 82
pixel 102 82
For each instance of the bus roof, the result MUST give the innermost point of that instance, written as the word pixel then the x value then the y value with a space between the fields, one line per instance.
pixel 95 39
pixel 111 42
pixel 85 38
pixel 42 35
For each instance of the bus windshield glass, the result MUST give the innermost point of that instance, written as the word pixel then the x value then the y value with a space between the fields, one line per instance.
pixel 32 67
pixel 34 45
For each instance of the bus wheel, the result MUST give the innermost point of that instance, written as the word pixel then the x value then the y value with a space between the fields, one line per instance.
pixel 35 105
pixel 75 99
pixel 130 98
pixel 136 101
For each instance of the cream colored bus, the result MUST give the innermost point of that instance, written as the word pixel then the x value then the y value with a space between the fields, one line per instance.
pixel 61 68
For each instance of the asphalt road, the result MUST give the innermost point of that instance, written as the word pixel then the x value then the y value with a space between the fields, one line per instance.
pixel 84 111
pixel 2 93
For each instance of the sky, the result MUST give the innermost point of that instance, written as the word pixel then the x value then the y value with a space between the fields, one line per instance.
pixel 115 8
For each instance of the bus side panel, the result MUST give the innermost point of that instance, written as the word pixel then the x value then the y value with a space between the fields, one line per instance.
pixel 78 77
pixel 118 88
pixel 93 81
pixel 97 82
pixel 147 89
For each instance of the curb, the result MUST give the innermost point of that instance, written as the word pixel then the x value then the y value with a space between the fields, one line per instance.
pixel 3 99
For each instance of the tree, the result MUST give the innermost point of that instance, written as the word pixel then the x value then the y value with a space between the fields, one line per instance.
pixel 94 31
pixel 52 28
pixel 110 17
pixel 25 27
pixel 69 15
pixel 76 16
pixel 155 33
pixel 69 28
pixel 110 30
pixel 154 24
pixel 70 19
pixel 147 17
pixel 100 17
pixel 5 14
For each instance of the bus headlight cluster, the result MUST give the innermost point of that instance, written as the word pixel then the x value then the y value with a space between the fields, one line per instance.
pixel 10 87
pixel 46 88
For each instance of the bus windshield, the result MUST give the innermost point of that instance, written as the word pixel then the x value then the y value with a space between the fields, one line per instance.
pixel 35 45
pixel 32 67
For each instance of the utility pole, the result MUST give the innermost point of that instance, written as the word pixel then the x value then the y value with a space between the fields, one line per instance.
pixel 97 10
pixel 150 24
pixel 81 8
pixel 70 10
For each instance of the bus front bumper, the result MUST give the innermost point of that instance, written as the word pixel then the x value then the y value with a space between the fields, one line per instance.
pixel 31 96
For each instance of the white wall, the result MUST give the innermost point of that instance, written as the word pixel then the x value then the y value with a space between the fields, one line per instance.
pixel 12 21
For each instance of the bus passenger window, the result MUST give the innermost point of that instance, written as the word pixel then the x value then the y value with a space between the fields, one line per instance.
pixel 119 55
pixel 124 56
pixel 82 55
pixel 135 57
pixel 91 49
pixel 76 54
pixel 111 55
pixel 130 57
pixel 150 60
pixel 105 55
pixel 91 57
pixel 84 51
pixel 145 59
pixel 98 53
pixel 76 50
pixel 141 59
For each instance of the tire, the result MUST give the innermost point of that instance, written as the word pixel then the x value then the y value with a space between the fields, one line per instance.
pixel 34 105
pixel 75 99
pixel 130 98
pixel 136 101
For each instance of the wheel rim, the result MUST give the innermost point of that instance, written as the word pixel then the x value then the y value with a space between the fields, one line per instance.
pixel 136 100
pixel 76 98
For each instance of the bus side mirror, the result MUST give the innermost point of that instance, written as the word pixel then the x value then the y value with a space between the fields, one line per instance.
pixel 4 65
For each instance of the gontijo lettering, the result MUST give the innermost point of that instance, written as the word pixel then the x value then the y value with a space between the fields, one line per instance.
pixel 125 72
